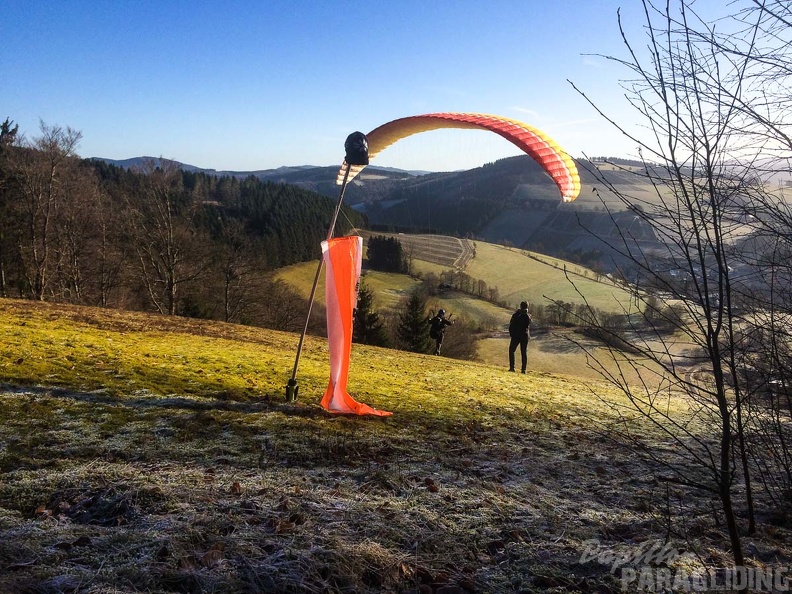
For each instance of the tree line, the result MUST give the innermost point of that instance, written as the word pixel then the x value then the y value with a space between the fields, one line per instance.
pixel 155 239
pixel 164 240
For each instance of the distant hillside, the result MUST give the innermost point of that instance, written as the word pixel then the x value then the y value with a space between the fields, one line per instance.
pixel 142 162
pixel 511 201
pixel 309 177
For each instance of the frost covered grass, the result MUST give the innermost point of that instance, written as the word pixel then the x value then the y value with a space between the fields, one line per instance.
pixel 153 454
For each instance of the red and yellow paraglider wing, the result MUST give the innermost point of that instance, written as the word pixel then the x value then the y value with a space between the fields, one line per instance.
pixel 558 164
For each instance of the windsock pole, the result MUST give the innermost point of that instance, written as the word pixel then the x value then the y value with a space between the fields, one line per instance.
pixel 356 147
pixel 291 387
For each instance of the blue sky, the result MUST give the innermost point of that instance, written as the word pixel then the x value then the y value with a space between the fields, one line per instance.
pixel 260 84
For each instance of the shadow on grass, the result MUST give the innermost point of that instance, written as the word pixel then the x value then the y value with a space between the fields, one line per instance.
pixel 219 401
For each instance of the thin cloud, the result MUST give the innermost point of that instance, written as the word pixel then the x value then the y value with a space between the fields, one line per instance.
pixel 526 111
pixel 569 123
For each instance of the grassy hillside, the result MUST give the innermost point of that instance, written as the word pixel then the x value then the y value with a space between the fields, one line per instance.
pixel 388 288
pixel 518 274
pixel 521 275
pixel 154 454
pixel 547 353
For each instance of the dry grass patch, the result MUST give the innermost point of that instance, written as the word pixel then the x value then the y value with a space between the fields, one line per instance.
pixel 176 466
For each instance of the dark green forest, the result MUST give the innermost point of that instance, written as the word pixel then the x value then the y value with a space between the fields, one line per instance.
pixel 152 239
pixel 386 254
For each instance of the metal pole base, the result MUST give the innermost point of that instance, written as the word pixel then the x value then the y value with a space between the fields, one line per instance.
pixel 291 390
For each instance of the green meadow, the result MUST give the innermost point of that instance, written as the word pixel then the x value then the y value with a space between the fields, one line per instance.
pixel 539 279
pixel 517 274
pixel 148 453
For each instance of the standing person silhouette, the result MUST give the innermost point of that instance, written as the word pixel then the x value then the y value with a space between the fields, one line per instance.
pixel 519 333
pixel 437 327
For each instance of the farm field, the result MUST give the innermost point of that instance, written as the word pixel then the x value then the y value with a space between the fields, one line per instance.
pixel 517 274
pixel 442 250
pixel 388 288
pixel 521 275
pixel 157 454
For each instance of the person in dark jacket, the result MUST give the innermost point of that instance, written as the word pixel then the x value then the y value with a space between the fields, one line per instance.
pixel 519 333
pixel 437 328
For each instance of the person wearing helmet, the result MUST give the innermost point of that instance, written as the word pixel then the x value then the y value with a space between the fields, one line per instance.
pixel 437 327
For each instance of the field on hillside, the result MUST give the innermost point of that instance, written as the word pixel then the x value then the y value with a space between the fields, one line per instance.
pixel 388 288
pixel 157 454
pixel 554 353
pixel 548 352
pixel 445 251
pixel 518 275
pixel 521 275
pixel 461 305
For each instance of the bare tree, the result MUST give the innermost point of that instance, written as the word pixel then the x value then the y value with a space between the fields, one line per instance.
pixel 75 239
pixel 241 272
pixel 713 95
pixel 280 307
pixel 110 249
pixel 167 245
pixel 40 175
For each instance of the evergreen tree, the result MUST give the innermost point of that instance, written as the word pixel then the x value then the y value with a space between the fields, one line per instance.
pixel 368 328
pixel 8 132
pixel 413 332
pixel 386 254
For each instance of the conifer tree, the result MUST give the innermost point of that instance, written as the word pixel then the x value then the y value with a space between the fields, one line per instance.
pixel 8 132
pixel 368 328
pixel 412 331
pixel 386 254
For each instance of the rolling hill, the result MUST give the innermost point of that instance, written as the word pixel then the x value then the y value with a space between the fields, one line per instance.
pixel 518 275
pixel 509 201
pixel 513 201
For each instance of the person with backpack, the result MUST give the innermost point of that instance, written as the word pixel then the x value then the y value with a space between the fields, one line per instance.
pixel 437 328
pixel 519 333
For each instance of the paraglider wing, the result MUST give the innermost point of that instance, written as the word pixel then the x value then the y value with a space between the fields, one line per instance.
pixel 558 164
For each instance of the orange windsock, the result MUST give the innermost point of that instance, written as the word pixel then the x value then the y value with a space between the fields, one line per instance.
pixel 343 257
